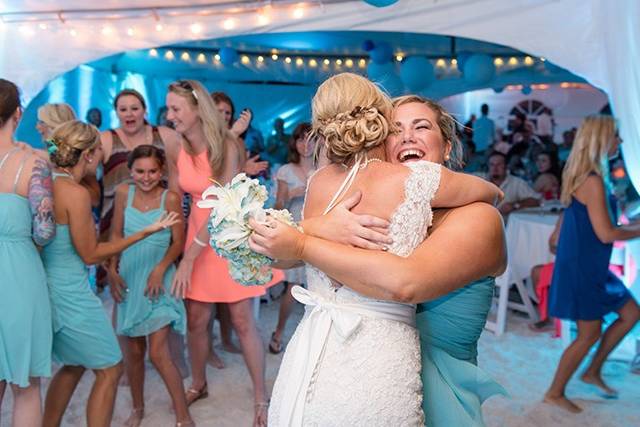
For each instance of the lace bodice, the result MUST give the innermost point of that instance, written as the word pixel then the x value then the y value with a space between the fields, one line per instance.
pixel 408 226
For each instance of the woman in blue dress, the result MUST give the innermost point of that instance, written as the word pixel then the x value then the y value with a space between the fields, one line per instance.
pixel 583 289
pixel 142 284
pixel 453 284
pixel 82 334
pixel 26 220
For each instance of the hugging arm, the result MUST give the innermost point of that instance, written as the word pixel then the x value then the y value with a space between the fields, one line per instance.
pixel 467 245
pixel 459 189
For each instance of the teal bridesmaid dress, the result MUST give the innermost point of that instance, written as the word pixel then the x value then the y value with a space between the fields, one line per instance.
pixel 138 315
pixel 82 332
pixel 25 314
pixel 450 326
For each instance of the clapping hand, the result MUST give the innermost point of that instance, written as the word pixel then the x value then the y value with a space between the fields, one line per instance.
pixel 253 165
pixel 240 125
pixel 166 220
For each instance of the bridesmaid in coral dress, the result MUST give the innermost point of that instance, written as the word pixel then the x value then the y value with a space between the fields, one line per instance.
pixel 209 152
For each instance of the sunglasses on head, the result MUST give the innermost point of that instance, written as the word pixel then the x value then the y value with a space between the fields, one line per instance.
pixel 185 84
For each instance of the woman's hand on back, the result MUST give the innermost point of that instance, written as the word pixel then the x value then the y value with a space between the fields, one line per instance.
pixel 341 225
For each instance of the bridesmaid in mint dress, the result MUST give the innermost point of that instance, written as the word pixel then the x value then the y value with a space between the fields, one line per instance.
pixel 26 220
pixel 142 285
pixel 82 334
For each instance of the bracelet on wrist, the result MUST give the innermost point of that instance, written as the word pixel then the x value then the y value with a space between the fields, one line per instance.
pixel 199 242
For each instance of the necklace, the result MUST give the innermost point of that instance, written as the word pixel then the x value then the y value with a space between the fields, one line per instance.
pixel 364 163
pixel 146 204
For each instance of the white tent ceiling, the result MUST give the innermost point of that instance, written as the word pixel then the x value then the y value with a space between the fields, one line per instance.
pixel 595 39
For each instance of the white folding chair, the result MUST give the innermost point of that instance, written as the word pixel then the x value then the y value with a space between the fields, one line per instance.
pixel 500 324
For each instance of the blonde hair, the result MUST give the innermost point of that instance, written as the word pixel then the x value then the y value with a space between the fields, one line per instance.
pixel 69 140
pixel 214 127
pixel 590 148
pixel 351 115
pixel 53 115
pixel 446 123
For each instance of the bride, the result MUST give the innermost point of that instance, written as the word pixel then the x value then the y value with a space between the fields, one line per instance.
pixel 354 360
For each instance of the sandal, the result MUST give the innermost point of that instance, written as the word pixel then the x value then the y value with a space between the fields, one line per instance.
pixel 193 394
pixel 275 346
pixel 261 413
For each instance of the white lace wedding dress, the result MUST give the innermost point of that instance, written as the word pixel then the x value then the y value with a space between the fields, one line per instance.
pixel 353 360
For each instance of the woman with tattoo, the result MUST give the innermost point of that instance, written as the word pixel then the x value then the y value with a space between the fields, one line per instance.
pixel 26 220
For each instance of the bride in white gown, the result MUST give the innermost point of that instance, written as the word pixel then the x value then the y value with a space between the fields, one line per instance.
pixel 354 360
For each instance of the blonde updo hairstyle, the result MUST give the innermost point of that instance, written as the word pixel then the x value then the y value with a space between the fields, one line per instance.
pixel 214 127
pixel 350 115
pixel 53 115
pixel 70 140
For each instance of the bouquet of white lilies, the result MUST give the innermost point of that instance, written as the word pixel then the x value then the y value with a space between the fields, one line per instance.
pixel 231 207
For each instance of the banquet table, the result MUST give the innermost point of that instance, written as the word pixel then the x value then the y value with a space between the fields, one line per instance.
pixel 527 236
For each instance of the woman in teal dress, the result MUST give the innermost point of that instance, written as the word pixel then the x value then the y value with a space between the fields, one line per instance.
pixel 142 284
pixel 82 334
pixel 446 274
pixel 26 220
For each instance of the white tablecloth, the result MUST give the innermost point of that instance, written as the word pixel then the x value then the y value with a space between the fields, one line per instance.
pixel 527 236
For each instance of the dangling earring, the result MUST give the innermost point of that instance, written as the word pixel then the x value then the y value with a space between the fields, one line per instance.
pixel 447 157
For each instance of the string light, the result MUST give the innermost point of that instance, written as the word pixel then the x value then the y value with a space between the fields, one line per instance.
pixel 159 27
pixel 338 62
pixel 543 59
pixel 153 52
pixel 73 33
pixel 441 63
pixel 498 62
pixel 260 58
pixel 528 61
pixel 107 30
pixel 201 58
pixel 299 62
pixel 313 63
pixel 513 61
pixel 216 57
pixel 399 58
pixel 185 56
pixel 229 24
pixel 274 56
pixel 349 63
pixel 130 32
pixel 454 63
pixel 263 18
pixel 245 60
pixel 298 12
pixel 196 28
pixel 43 26
pixel 287 60
pixel 169 55
pixel 326 62
pixel 362 63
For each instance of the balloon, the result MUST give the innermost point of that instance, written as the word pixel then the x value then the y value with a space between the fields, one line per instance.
pixel 368 45
pixel 228 55
pixel 381 53
pixel 391 84
pixel 552 68
pixel 462 59
pixel 479 69
pixel 377 71
pixel 380 3
pixel 526 90
pixel 416 73
pixel 498 89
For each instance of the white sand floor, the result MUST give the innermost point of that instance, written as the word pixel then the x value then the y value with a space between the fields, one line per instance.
pixel 520 360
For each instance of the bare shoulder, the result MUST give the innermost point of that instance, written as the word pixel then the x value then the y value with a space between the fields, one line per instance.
pixel 592 187
pixel 172 198
pixel 122 190
pixel 170 138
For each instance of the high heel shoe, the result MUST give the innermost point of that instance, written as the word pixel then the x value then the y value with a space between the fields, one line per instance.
pixel 193 394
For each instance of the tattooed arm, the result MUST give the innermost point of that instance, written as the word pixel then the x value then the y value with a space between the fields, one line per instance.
pixel 41 202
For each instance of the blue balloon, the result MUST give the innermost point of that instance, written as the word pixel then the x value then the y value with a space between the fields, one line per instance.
pixel 391 84
pixel 381 53
pixel 498 89
pixel 416 73
pixel 462 57
pixel 377 71
pixel 478 69
pixel 228 56
pixel 526 90
pixel 380 3
pixel 552 68
pixel 368 45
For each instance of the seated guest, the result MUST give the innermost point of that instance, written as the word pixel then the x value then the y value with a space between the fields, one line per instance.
pixel 547 179
pixel 517 193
